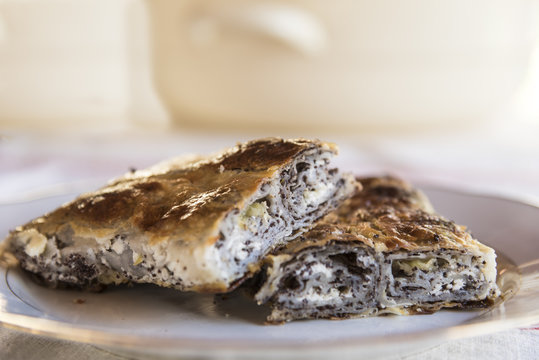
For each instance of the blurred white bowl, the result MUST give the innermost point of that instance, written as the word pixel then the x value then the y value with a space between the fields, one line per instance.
pixel 339 64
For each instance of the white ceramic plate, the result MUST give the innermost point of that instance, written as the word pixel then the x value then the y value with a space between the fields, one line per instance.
pixel 142 320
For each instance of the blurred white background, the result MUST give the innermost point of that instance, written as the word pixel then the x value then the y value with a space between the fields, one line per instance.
pixel 444 92
pixel 261 64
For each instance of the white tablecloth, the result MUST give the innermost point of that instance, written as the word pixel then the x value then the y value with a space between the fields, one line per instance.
pixel 514 344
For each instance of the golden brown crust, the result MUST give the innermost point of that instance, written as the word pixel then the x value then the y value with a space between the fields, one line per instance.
pixel 179 199
pixel 387 215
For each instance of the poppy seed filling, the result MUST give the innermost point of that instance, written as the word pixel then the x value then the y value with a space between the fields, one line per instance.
pixel 339 281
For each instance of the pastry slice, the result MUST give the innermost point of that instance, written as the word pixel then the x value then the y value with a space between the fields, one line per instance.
pixel 383 251
pixel 198 225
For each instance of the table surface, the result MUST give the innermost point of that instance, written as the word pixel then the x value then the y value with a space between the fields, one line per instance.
pixel 502 162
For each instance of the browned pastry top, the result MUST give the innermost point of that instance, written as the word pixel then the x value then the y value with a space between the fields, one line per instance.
pixel 387 215
pixel 182 199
